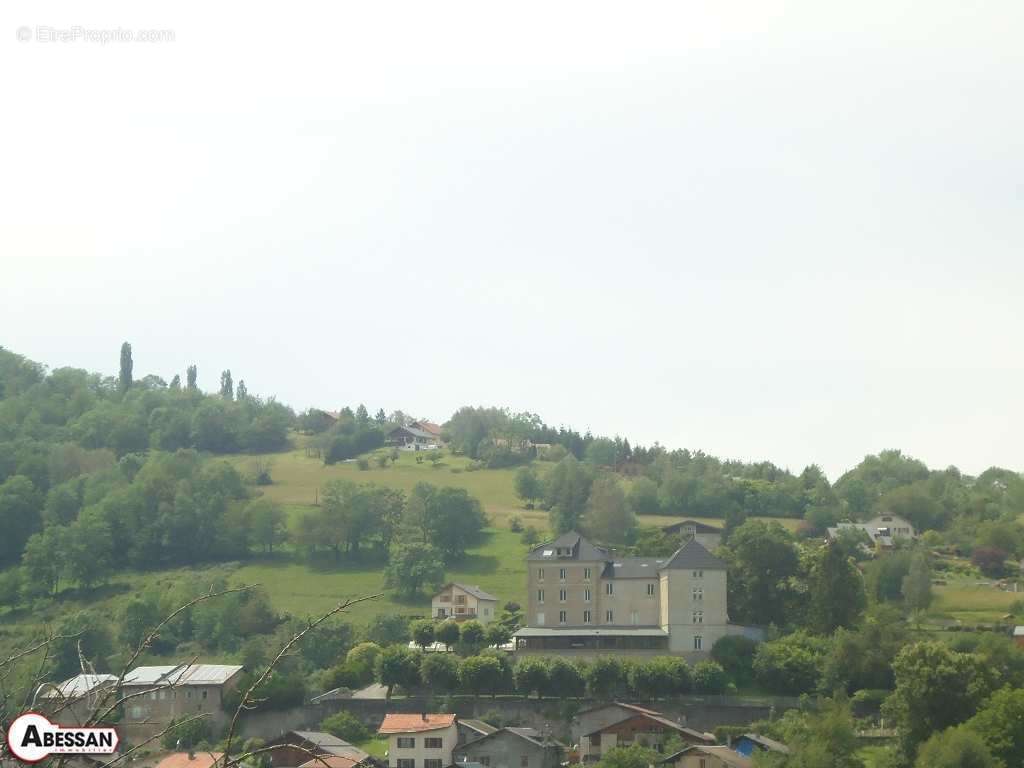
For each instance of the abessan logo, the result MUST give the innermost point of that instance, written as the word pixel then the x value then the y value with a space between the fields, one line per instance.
pixel 32 738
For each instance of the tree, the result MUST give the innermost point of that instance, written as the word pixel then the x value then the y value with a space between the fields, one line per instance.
pixel 826 737
pixel 608 517
pixel 763 560
pixel 481 673
pixel 790 665
pixel 175 385
pixel 837 590
pixel 1000 723
pixel 267 523
pixel 361 660
pixel 398 666
pixel 447 632
pixel 643 496
pixel 917 584
pixel 955 748
pixel 440 672
pixel 124 378
pixel 227 387
pixel 423 632
pixel 565 679
pixel 497 633
pixel 991 561
pixel 634 756
pixel 528 485
pixel 242 393
pixel 44 559
pixel 345 726
pixel 606 677
pixel 936 688
pixel 709 677
pixel 472 635
pixel 736 655
pixel 532 676
pixel 566 490
pixel 411 567
pixel 20 504
pixel 187 734
pixel 88 548
pixel 191 377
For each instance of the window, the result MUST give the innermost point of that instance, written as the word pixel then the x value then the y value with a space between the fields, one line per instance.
pixel 562 595
pixel 561 574
pixel 609 616
pixel 152 695
pixel 524 761
pixel 703 763
pixel 406 742
pixel 586 574
pixel 609 588
pixel 634 617
pixel 563 617
pixel 698 617
pixel 540 619
pixel 188 694
pixel 163 695
pixel 432 742
pixel 586 617
pixel 698 594
pixel 487 611
pixel 433 762
pixel 204 694
pixel 540 574
pixel 595 740
pixel 540 595
pixel 698 643
pixel 650 590
pixel 405 762
pixel 698 574
pixel 586 595
pixel 460 599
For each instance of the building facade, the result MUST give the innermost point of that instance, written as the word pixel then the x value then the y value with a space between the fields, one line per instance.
pixel 583 599
pixel 420 740
pixel 156 695
pixel 511 748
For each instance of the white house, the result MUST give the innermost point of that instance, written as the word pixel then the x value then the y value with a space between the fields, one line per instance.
pixel 420 741
pixel 464 601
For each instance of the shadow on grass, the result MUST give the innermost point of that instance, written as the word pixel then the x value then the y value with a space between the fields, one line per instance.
pixel 476 564
pixel 101 592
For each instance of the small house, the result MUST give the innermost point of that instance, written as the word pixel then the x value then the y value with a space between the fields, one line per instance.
pixel 511 748
pixel 701 756
pixel 420 740
pixel 296 748
pixel 464 601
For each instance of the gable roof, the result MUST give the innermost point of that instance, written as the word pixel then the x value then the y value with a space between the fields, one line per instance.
pixel 699 527
pixel 693 555
pixel 414 431
pixel 479 726
pixel 333 761
pixel 660 719
pixel 414 723
pixel 632 707
pixel 78 686
pixel 428 426
pixel 325 743
pixel 183 674
pixel 473 590
pixel 531 735
pixel 580 547
pixel 727 755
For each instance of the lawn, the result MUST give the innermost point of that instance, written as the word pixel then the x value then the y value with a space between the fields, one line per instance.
pixel 967 601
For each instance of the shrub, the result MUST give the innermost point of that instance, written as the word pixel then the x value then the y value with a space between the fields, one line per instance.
pixel 345 726
pixel 363 464
pixel 187 734
pixel 709 677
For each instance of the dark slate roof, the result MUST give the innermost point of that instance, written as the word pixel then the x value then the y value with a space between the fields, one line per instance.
pixel 633 568
pixel 581 549
pixel 700 527
pixel 693 555
pixel 477 725
pixel 770 744
pixel 414 431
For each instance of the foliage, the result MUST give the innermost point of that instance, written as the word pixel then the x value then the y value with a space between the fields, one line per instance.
pixel 957 747
pixel 398 666
pixel 634 756
pixel 528 485
pixel 186 734
pixel 736 655
pixel 345 726
pixel 837 590
pixel 608 517
pixel 790 665
pixel 991 561
pixel 1000 723
pixel 412 567
pixel 440 672
pixel 422 632
pixel 709 677
pixel 763 560
pixel 566 490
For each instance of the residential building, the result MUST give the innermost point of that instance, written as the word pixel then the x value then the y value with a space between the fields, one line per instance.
pixel 699 756
pixel 883 530
pixel 1018 636
pixel 708 536
pixel 599 729
pixel 511 748
pixel 420 741
pixel 582 599
pixel 412 438
pixel 749 743
pixel 296 748
pixel 429 427
pixel 73 701
pixel 464 601
pixel 156 695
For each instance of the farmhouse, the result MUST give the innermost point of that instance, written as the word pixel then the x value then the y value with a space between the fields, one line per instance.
pixel 73 701
pixel 429 427
pixel 583 600
pixel 637 726
pixel 883 530
pixel 462 601
pixel 296 748
pixel 412 438
pixel 156 695
pixel 708 536
pixel 699 756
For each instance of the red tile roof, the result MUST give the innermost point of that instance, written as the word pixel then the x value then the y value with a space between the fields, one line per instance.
pixel 332 761
pixel 197 760
pixel 414 723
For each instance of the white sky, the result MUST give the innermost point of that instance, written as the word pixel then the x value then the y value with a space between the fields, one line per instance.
pixel 785 231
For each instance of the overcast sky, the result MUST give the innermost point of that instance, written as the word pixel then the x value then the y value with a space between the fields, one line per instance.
pixel 785 231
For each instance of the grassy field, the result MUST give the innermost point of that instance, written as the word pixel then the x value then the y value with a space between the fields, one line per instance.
pixel 970 602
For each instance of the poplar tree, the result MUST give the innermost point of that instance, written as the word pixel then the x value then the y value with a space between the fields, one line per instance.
pixel 124 379
pixel 191 374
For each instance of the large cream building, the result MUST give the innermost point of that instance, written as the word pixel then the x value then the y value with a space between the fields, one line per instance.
pixel 584 599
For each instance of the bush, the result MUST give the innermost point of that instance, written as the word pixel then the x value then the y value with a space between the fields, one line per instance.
pixel 515 524
pixel 187 734
pixel 345 726
pixel 709 677
pixel 736 655
pixel 363 464
pixel 991 561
